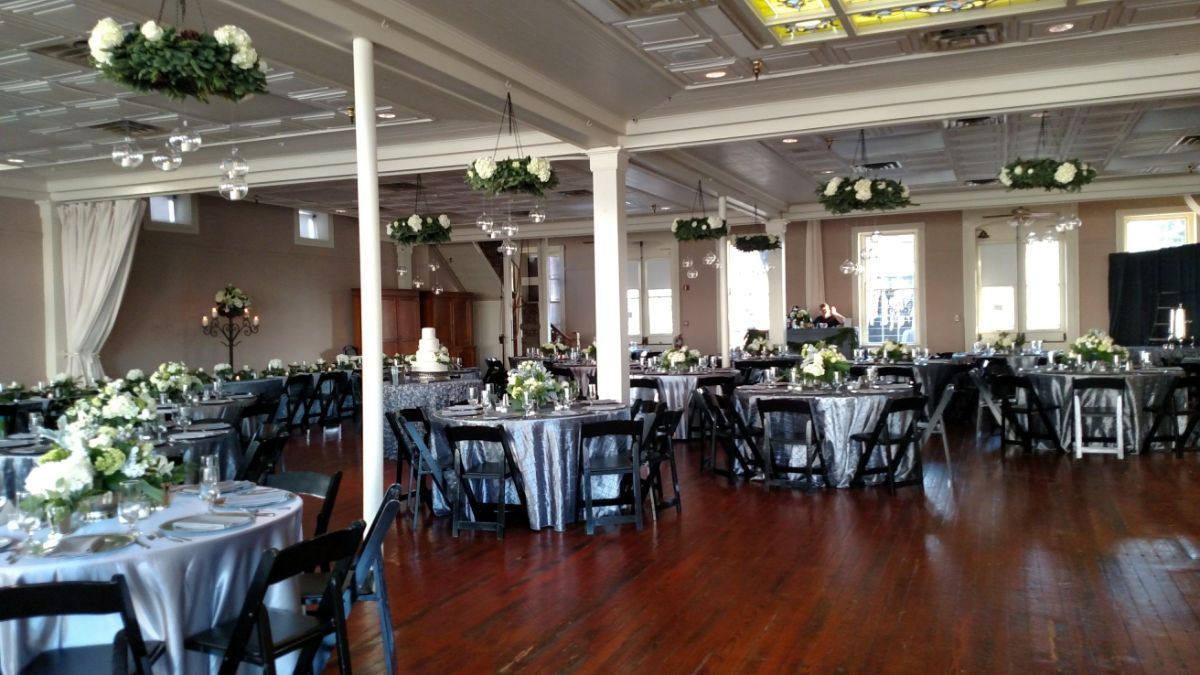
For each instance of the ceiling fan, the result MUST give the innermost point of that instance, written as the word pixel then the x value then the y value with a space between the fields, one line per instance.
pixel 1022 216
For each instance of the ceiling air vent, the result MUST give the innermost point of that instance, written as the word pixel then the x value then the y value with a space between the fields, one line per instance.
pixel 965 122
pixel 576 193
pixel 128 128
pixel 976 182
pixel 966 37
pixel 879 166
pixel 1187 142
pixel 75 52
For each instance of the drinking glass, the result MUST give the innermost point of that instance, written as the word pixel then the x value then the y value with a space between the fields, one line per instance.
pixel 530 409
pixel 592 396
pixel 35 423
pixel 9 519
pixel 473 395
pixel 29 516
pixel 185 416
pixel 130 507
pixel 210 490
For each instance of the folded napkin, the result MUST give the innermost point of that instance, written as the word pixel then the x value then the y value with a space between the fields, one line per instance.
pixel 255 499
pixel 208 522
pixel 78 545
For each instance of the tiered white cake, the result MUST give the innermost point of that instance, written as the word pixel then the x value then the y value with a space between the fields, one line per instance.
pixel 428 348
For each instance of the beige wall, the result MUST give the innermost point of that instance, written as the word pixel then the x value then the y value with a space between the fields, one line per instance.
pixel 579 285
pixel 303 293
pixel 794 250
pixel 22 350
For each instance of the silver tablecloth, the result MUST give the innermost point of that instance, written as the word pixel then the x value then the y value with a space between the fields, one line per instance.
pixel 677 390
pixel 224 443
pixel 546 448
pixel 1141 387
pixel 178 588
pixel 934 375
pixel 838 415
pixel 15 465
pixel 583 373
pixel 429 397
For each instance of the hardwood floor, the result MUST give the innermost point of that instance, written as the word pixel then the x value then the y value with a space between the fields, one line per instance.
pixel 1040 564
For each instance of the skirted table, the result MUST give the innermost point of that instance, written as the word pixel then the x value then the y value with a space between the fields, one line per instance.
pixel 428 396
pixel 677 389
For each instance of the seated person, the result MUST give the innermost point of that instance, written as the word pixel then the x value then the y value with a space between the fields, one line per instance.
pixel 828 317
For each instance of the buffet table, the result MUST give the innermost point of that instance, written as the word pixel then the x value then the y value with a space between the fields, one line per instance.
pixel 428 396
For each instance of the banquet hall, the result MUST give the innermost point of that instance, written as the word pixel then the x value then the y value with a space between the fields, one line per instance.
pixel 507 318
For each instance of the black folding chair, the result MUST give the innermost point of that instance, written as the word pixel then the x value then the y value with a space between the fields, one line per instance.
pixel 260 633
pixel 298 389
pixel 314 484
pixel 265 458
pixel 128 652
pixel 787 423
pixel 731 433
pixel 422 462
pixel 1023 409
pixel 658 446
pixel 479 467
pixel 1182 399
pixel 638 387
pixel 699 426
pixel 900 413
pixel 495 374
pixel 626 463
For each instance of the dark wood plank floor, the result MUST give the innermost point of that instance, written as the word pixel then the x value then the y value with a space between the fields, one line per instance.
pixel 1040 564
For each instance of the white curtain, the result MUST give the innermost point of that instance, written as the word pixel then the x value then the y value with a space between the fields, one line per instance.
pixel 814 266
pixel 98 239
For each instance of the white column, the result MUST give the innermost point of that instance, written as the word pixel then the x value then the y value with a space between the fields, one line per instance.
pixel 611 250
pixel 369 277
pixel 52 291
pixel 776 278
pixel 723 289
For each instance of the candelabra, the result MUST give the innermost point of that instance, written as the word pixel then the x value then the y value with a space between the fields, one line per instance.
pixel 235 324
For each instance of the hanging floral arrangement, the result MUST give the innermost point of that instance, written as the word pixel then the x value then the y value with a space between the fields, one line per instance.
pixel 420 229
pixel 844 194
pixel 531 175
pixel 757 242
pixel 1050 174
pixel 699 228
pixel 178 64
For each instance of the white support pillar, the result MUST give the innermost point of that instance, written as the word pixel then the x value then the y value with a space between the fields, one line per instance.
pixel 52 291
pixel 723 289
pixel 776 280
pixel 369 277
pixel 611 251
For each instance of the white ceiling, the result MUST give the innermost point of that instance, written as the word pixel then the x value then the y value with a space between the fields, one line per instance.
pixel 593 73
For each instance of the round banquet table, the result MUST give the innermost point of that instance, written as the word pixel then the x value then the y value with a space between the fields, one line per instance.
pixel 677 389
pixel 1142 386
pixel 178 588
pixel 838 413
pixel 546 449
pixel 428 396
pixel 582 373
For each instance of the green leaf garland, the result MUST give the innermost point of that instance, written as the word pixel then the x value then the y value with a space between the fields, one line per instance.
pixel 844 194
pixel 757 242
pixel 698 229
pixel 1050 174
pixel 426 229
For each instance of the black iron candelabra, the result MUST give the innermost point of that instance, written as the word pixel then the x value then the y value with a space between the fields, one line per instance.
pixel 229 326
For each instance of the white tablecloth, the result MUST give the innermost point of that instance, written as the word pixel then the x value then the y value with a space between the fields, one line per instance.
pixel 178 588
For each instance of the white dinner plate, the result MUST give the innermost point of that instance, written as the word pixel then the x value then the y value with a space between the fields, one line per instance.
pixel 242 396
pixel 14 443
pixel 207 523
pixel 88 544
pixel 209 426
pixel 602 402
pixel 6 542
pixel 225 486
pixel 194 435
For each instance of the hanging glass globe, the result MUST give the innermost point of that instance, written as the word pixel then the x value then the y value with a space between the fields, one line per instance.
pixel 184 139
pixel 234 165
pixel 1031 237
pixel 437 290
pixel 508 247
pixel 537 214
pixel 433 267
pixel 849 267
pixel 166 158
pixel 493 233
pixel 717 265
pixel 484 221
pixel 692 273
pixel 710 258
pixel 688 264
pixel 233 188
pixel 418 282
pixel 1070 222
pixel 127 154
pixel 510 228
pixel 402 270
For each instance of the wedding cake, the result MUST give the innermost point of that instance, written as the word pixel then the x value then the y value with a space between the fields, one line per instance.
pixel 429 351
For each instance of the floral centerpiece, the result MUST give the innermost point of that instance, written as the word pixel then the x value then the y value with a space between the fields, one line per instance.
pixel 531 175
pixel 698 228
pixel 63 385
pixel 799 318
pixel 245 374
pixel 295 367
pixel 589 352
pixel 532 378
pixel 231 301
pixel 97 449
pixel 757 242
pixel 318 366
pixel 443 356
pixel 222 371
pixel 420 229
pixel 843 194
pixel 893 351
pixel 174 380
pixel 344 362
pixel 178 64
pixel 14 392
pixel 1005 342
pixel 1050 174
pixel 393 360
pixel 760 346
pixel 822 362
pixel 1097 346
pixel 275 368
pixel 552 349
pixel 679 358
pixel 202 377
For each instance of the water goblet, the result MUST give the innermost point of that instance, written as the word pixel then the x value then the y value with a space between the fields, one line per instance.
pixel 29 515
pixel 35 423
pixel 185 417
pixel 592 396
pixel 210 490
pixel 473 395
pixel 131 504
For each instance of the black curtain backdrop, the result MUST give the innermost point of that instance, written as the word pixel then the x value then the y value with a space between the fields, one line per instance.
pixel 1134 283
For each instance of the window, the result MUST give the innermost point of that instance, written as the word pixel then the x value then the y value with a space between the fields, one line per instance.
pixel 888 292
pixel 1149 230
pixel 555 287
pixel 749 302
pixel 313 229
pixel 650 276
pixel 1040 309
pixel 173 213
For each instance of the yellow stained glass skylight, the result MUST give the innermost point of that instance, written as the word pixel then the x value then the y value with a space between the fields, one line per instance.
pixel 867 15
pixel 808 30
pixel 776 12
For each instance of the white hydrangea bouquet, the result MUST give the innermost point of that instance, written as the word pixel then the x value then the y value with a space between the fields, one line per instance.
pixel 222 371
pixel 698 228
pixel 344 362
pixel 174 380
pixel 551 349
pixel 420 229
pixel 1097 346
pixel 822 362
pixel 275 368
pixel 531 175
pixel 99 447
pixel 231 301
pixel 443 356
pixel 893 351
pixel 532 378
pixel 761 346
pixel 678 359
pixel 1050 174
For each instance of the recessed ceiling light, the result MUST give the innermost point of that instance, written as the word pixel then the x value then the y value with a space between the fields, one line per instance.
pixel 715 74
pixel 665 208
pixel 827 171
pixel 1061 27
pixel 385 115
pixel 790 140
pixel 340 211
pixel 15 160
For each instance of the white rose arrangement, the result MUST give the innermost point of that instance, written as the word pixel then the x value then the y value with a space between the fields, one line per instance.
pixel 532 378
pixel 843 194
pixel 893 351
pixel 697 228
pixel 531 175
pixel 680 358
pixel 231 300
pixel 420 229
pixel 1049 174
pixel 1097 346
pixel 822 362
